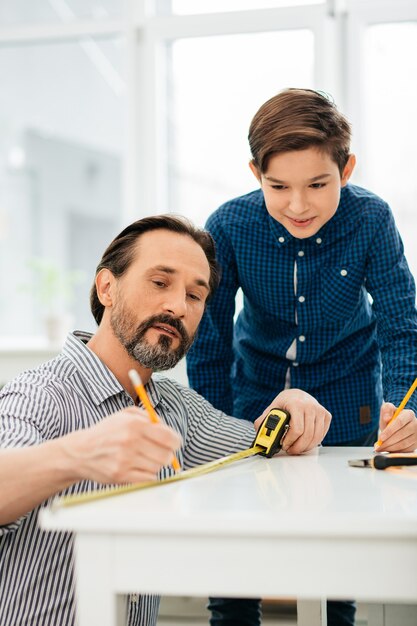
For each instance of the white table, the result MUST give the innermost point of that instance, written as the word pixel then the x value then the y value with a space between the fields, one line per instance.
pixel 307 526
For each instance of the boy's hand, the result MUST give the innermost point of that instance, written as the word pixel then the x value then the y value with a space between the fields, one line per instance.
pixel 401 435
pixel 309 420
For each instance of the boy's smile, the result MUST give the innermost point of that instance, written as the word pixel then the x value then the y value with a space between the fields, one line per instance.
pixel 302 189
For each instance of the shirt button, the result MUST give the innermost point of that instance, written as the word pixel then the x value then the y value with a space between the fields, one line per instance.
pixel 295 364
pixel 343 272
pixel 301 338
pixel 301 299
pixel 319 240
pixel 134 598
pixel 301 253
pixel 281 239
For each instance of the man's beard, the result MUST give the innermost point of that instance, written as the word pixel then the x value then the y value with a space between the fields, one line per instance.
pixel 156 357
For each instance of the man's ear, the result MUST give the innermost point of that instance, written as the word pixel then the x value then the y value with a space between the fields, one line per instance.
pixel 255 171
pixel 348 169
pixel 105 282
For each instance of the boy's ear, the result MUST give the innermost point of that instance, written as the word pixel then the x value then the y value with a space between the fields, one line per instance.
pixel 255 171
pixel 348 169
pixel 104 286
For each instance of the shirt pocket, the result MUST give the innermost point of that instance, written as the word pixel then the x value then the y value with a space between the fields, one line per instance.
pixel 342 291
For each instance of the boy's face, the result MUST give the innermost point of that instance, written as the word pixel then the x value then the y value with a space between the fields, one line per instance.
pixel 302 189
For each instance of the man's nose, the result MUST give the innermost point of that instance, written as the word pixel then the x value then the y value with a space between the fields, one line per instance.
pixel 176 304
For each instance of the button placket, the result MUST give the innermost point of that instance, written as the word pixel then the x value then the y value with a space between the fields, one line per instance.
pixel 300 299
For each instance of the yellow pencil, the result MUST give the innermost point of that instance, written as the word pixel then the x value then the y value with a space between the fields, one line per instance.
pixel 400 408
pixel 141 391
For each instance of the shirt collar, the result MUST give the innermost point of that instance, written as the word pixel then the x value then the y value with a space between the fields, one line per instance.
pixel 101 381
pixel 280 234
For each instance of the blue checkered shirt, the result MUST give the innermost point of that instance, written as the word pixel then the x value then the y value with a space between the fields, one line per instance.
pixel 333 314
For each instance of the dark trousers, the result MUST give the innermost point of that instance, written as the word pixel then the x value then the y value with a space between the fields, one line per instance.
pixel 247 612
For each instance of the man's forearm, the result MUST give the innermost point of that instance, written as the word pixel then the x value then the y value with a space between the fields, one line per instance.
pixel 124 447
pixel 30 475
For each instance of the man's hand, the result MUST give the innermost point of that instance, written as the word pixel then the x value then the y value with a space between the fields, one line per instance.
pixel 309 420
pixel 124 448
pixel 401 435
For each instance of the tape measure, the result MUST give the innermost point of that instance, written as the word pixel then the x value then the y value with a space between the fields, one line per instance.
pixel 268 442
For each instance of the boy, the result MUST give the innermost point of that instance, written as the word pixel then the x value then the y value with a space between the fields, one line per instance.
pixel 306 249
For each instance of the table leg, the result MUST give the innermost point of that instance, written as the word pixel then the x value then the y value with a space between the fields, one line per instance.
pixel 311 612
pixel 97 601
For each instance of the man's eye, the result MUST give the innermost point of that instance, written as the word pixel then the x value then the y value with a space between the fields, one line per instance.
pixel 194 296
pixel 159 283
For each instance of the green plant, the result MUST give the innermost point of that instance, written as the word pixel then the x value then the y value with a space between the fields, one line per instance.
pixel 52 287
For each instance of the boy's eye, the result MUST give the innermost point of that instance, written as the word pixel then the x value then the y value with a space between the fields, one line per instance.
pixel 317 185
pixel 278 187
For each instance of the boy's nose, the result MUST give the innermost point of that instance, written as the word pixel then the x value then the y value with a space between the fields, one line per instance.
pixel 297 204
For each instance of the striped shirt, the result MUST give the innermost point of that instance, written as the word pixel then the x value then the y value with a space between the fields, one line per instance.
pixel 74 391
pixel 307 319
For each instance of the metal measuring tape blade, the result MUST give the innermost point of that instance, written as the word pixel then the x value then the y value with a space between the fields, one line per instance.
pixel 268 442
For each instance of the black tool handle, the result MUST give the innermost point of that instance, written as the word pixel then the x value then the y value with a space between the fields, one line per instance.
pixel 382 462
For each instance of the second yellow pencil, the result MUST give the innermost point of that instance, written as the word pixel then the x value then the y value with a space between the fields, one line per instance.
pixel 400 408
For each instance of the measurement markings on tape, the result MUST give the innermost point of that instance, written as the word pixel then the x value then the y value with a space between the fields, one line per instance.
pixel 268 442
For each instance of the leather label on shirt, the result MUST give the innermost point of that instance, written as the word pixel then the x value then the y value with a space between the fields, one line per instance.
pixel 365 414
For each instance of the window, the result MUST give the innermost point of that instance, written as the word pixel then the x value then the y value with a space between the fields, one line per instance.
pixel 60 174
pixel 217 85
pixel 111 110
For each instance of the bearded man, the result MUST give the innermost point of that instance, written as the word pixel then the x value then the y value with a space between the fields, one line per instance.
pixel 75 423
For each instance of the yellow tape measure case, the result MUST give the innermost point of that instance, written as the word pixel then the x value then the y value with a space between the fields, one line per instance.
pixel 272 432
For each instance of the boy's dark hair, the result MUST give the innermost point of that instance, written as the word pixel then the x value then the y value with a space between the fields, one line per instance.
pixel 297 119
pixel 120 253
